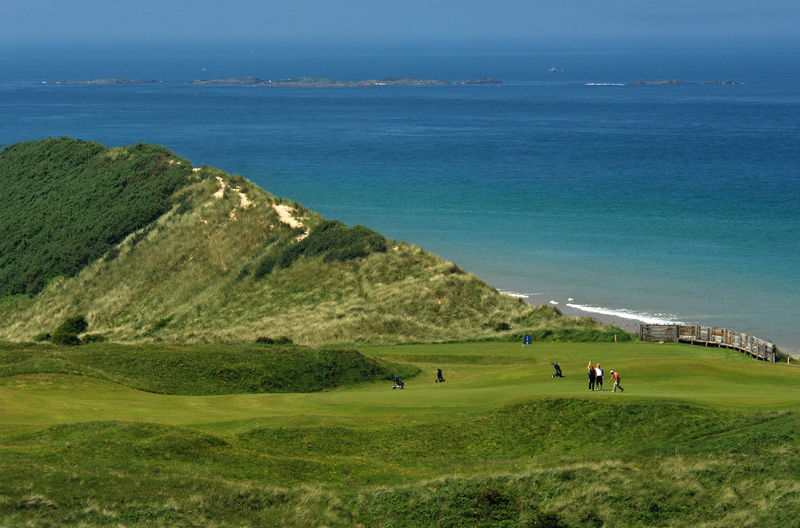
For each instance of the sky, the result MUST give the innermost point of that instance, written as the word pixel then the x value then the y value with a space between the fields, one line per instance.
pixel 30 22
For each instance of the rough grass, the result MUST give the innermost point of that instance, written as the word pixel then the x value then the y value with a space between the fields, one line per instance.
pixel 701 437
pixel 156 475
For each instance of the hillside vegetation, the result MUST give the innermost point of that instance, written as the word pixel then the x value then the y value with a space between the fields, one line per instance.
pixel 67 202
pixel 157 252
pixel 700 437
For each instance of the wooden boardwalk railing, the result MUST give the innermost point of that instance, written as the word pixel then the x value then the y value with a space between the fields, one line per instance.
pixel 709 336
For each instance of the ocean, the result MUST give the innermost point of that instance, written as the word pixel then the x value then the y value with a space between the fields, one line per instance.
pixel 663 203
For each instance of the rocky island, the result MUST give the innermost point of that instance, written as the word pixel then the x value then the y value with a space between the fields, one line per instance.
pixel 672 82
pixel 106 81
pixel 481 80
pixel 323 82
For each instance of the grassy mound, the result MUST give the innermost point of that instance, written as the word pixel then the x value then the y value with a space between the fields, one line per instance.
pixel 199 370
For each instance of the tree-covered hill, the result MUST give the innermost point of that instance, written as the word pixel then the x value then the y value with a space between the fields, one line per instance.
pixel 149 249
pixel 66 202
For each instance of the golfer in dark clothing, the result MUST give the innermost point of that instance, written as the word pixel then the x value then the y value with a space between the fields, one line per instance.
pixel 592 376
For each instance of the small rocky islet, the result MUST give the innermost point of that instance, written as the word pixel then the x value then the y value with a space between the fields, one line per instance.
pixel 323 82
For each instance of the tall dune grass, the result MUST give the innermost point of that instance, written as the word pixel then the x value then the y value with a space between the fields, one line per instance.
pixel 190 277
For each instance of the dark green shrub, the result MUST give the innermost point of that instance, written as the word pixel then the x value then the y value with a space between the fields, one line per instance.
pixel 288 256
pixel 93 338
pixel 66 338
pixel 44 336
pixel 333 241
pixel 72 325
pixel 266 266
pixel 161 323
pixel 356 242
pixel 282 340
pixel 455 270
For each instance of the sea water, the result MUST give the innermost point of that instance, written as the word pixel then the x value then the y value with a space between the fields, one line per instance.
pixel 664 203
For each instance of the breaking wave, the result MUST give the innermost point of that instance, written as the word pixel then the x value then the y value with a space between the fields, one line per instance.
pixel 627 314
pixel 517 294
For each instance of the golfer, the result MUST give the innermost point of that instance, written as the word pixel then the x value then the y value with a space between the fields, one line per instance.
pixel 616 377
pixel 592 376
pixel 598 377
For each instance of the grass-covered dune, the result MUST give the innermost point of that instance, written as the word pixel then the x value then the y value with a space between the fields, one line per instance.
pixel 150 249
pixel 700 437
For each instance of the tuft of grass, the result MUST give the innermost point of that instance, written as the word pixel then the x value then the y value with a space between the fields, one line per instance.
pixel 35 502
pixel 161 323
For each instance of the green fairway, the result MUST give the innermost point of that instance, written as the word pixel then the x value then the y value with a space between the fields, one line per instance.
pixel 480 377
pixel 700 434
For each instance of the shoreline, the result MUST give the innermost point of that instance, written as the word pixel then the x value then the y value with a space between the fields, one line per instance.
pixel 631 324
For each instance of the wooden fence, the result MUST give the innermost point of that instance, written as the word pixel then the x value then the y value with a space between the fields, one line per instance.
pixel 709 336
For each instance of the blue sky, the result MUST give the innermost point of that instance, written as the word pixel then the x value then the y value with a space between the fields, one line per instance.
pixel 39 21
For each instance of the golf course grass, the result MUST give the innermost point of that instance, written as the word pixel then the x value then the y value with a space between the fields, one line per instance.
pixel 93 436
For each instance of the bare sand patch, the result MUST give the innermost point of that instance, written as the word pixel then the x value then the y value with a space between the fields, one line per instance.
pixel 244 201
pixel 221 191
pixel 286 217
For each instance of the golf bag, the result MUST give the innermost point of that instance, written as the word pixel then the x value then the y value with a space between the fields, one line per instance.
pixel 398 383
pixel 439 378
pixel 557 373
